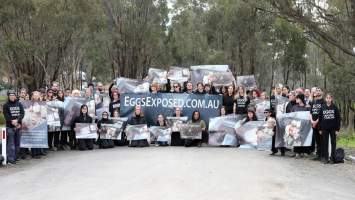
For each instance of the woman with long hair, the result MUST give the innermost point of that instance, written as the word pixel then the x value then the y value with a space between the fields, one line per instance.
pixel 241 101
pixel 196 119
pixel 228 99
pixel 84 144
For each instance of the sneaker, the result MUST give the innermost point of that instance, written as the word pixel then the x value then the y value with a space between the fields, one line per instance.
pixel 272 154
pixel 316 158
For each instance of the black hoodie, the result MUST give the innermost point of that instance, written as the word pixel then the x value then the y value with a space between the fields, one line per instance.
pixel 329 117
pixel 316 106
pixel 13 110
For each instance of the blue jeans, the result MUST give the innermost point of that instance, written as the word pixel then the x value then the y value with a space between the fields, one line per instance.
pixel 13 143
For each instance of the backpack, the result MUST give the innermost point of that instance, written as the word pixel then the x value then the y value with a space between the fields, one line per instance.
pixel 339 155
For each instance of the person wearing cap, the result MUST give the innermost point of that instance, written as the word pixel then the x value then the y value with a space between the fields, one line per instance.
pixel 13 113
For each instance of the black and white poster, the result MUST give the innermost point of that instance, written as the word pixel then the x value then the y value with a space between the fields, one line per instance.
pixel 160 134
pixel 294 130
pixel 191 131
pixel 127 85
pixel 247 134
pixel 165 103
pixel 102 105
pixel 137 132
pixel 264 136
pixel 72 109
pixel 260 107
pixel 158 76
pixel 178 74
pixel 281 103
pixel 111 131
pixel 85 131
pixel 248 82
pixel 175 122
pixel 222 130
pixel 34 131
pixel 54 111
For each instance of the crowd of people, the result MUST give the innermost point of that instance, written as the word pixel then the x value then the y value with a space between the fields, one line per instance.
pixel 324 116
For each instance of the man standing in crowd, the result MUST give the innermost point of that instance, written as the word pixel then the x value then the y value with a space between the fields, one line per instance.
pixel 14 113
pixel 277 92
pixel 316 106
pixel 55 89
pixel 100 88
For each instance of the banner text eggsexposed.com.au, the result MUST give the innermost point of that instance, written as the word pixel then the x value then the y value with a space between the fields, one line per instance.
pixel 150 101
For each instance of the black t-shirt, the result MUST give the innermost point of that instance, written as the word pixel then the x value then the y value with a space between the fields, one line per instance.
pixel 242 105
pixel 228 102
pixel 316 106
pixel 114 105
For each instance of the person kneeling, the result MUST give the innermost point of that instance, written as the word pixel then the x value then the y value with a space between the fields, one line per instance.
pixel 84 144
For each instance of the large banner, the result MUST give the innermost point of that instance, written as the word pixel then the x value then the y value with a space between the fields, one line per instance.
pixel 247 134
pixel 294 130
pixel 158 76
pixel 72 109
pixel 164 103
pixel 34 125
pixel 219 75
pixel 248 82
pixel 127 85
pixel 191 131
pixel 137 132
pixel 178 74
pixel 222 130
pixel 85 131
pixel 160 134
pixel 175 122
pixel 260 107
pixel 102 104
pixel 264 136
pixel 281 104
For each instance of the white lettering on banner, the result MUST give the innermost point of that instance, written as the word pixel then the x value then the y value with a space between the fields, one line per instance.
pixel 170 103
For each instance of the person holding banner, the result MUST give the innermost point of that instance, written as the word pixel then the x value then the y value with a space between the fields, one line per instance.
pixel 189 88
pixel 329 120
pixel 251 116
pixel 177 88
pixel 228 100
pixel 13 113
pixel 154 87
pixel 53 136
pixel 36 152
pixel 200 88
pixel 241 102
pixel 175 136
pixel 105 143
pixel 84 144
pixel 161 121
pixel 300 106
pixel 222 111
pixel 196 119
pixel 115 103
pixel 138 118
pixel 292 101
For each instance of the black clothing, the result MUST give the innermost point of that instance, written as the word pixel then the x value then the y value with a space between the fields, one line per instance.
pixel 289 106
pixel 84 144
pixel 136 120
pixel 105 143
pixel 114 105
pixel 242 105
pixel 329 118
pixel 316 106
pixel 13 110
pixel 228 103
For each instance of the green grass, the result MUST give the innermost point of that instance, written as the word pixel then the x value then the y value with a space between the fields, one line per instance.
pixel 346 140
